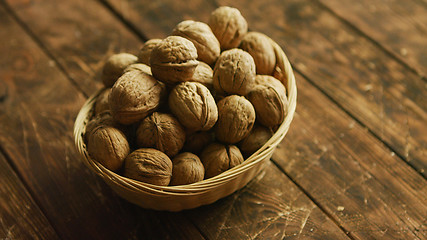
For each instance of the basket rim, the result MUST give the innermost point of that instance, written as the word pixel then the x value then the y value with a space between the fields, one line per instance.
pixel 283 68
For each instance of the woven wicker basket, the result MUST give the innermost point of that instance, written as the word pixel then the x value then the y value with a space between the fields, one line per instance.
pixel 176 198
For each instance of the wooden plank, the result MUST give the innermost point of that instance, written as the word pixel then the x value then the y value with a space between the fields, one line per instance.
pixel 379 92
pixel 36 122
pixel 359 200
pixel 20 217
pixel 318 222
pixel 269 207
pixel 92 42
pixel 368 190
pixel 398 26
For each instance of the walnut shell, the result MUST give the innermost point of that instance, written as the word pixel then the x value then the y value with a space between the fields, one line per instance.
pixel 269 100
pixel 197 141
pixel 200 34
pixel 194 106
pixel 108 145
pixel 204 75
pixel 234 72
pixel 114 67
pixel 101 103
pixel 258 45
pixel 236 117
pixel 255 140
pixel 148 165
pixel 146 49
pixel 173 60
pixel 134 96
pixel 187 168
pixel 229 26
pixel 161 131
pixel 139 67
pixel 218 158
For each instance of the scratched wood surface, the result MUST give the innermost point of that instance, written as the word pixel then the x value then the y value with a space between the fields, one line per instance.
pixel 352 165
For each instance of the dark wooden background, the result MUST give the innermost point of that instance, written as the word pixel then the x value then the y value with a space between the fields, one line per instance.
pixel 351 167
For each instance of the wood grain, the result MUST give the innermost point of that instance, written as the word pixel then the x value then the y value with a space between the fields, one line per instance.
pixel 373 88
pixel 269 207
pixel 350 174
pixel 20 217
pixel 36 123
pixel 402 29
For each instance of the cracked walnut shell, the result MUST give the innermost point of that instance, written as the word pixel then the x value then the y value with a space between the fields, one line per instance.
pixel 234 72
pixel 218 158
pixel 194 106
pixel 161 131
pixel 236 117
pixel 200 34
pixel 148 165
pixel 173 60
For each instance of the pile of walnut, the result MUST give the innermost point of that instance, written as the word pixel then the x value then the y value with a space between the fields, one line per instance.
pixel 167 118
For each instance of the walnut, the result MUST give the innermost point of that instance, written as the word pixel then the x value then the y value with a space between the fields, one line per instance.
pixel 187 168
pixel 101 103
pixel 161 131
pixel 148 165
pixel 258 45
pixel 255 140
pixel 218 158
pixel 139 67
pixel 173 60
pixel 103 118
pixel 108 145
pixel 234 72
pixel 204 40
pixel 269 100
pixel 203 74
pixel 114 67
pixel 197 141
pixel 134 96
pixel 236 117
pixel 146 49
pixel 194 106
pixel 229 26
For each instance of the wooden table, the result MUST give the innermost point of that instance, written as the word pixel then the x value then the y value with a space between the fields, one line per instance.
pixel 351 167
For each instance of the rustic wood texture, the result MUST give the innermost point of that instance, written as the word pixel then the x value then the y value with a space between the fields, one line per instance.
pixel 345 169
pixel 21 218
pixel 402 30
pixel 36 132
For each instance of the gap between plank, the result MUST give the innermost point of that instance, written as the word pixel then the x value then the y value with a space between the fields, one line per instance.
pixel 40 44
pixel 346 232
pixel 372 40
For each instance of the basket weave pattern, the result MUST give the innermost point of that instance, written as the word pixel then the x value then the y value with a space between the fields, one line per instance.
pixel 176 198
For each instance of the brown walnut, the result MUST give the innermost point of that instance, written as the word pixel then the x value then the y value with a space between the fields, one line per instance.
pixel 258 45
pixel 134 96
pixel 255 140
pixel 139 67
pixel 197 141
pixel 236 117
pixel 187 168
pixel 109 146
pixel 173 60
pixel 114 67
pixel 101 103
pixel 203 74
pixel 269 100
pixel 148 165
pixel 229 26
pixel 146 49
pixel 234 72
pixel 161 131
pixel 218 158
pixel 201 36
pixel 194 106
